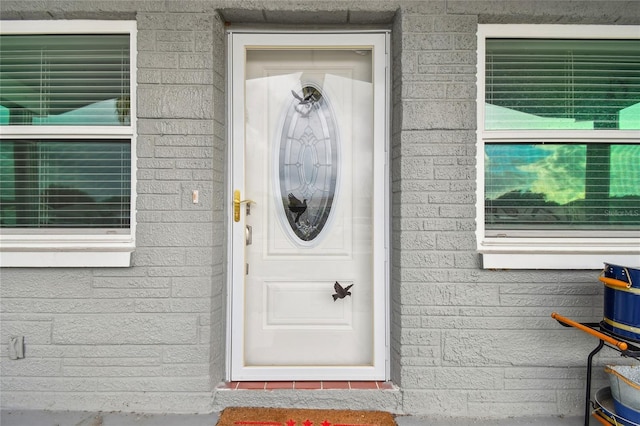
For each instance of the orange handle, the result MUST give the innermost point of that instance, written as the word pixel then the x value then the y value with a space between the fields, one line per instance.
pixel 614 283
pixel 620 345
pixel 601 419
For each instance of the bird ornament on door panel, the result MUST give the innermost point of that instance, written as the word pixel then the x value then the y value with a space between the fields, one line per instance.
pixel 341 292
pixel 297 207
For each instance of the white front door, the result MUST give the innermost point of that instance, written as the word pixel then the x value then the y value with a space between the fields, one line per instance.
pixel 309 176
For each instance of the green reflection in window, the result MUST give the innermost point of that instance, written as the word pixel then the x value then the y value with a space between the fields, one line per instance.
pixel 4 116
pixel 568 186
pixel 54 184
pixel 562 84
pixel 73 80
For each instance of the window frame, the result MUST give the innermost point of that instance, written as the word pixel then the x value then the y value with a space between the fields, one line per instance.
pixel 539 250
pixel 49 247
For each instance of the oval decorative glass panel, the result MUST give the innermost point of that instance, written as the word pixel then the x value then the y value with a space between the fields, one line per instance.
pixel 307 162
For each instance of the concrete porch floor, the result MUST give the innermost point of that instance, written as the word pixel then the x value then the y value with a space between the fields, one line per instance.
pixel 75 418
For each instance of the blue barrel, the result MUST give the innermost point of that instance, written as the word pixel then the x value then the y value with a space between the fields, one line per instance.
pixel 622 303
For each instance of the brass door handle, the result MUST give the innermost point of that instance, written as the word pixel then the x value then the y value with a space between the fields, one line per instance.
pixel 237 203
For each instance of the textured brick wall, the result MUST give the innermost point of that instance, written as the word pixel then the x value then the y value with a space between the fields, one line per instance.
pixel 465 341
pixel 149 337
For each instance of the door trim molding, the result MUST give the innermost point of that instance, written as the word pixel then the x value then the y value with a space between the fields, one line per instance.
pixel 381 216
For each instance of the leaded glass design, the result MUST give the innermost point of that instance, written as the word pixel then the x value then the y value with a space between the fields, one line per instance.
pixel 308 162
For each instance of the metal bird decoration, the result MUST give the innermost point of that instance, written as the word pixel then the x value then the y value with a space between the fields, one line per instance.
pixel 341 292
pixel 308 101
pixel 297 207
pixel 309 95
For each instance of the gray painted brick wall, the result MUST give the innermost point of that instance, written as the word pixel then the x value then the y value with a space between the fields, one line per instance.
pixel 464 341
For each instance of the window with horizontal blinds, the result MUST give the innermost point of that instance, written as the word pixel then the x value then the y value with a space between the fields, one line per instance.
pixel 67 143
pixel 553 183
pixel 562 84
pixel 78 83
pixel 552 186
pixel 558 149
pixel 65 80
pixel 65 183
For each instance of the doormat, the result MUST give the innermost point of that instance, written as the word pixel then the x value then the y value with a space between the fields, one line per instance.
pixel 239 416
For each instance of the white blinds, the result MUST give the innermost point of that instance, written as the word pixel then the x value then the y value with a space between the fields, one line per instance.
pixel 73 80
pixel 562 84
pixel 80 183
pixel 547 186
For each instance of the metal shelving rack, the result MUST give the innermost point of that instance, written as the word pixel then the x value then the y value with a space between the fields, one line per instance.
pixel 627 348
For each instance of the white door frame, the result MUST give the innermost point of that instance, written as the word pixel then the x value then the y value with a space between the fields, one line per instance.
pixel 235 176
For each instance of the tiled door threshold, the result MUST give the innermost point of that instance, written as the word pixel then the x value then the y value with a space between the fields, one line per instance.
pixel 308 385
pixel 347 395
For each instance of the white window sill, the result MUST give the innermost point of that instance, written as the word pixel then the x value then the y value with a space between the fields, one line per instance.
pixel 67 254
pixel 570 254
